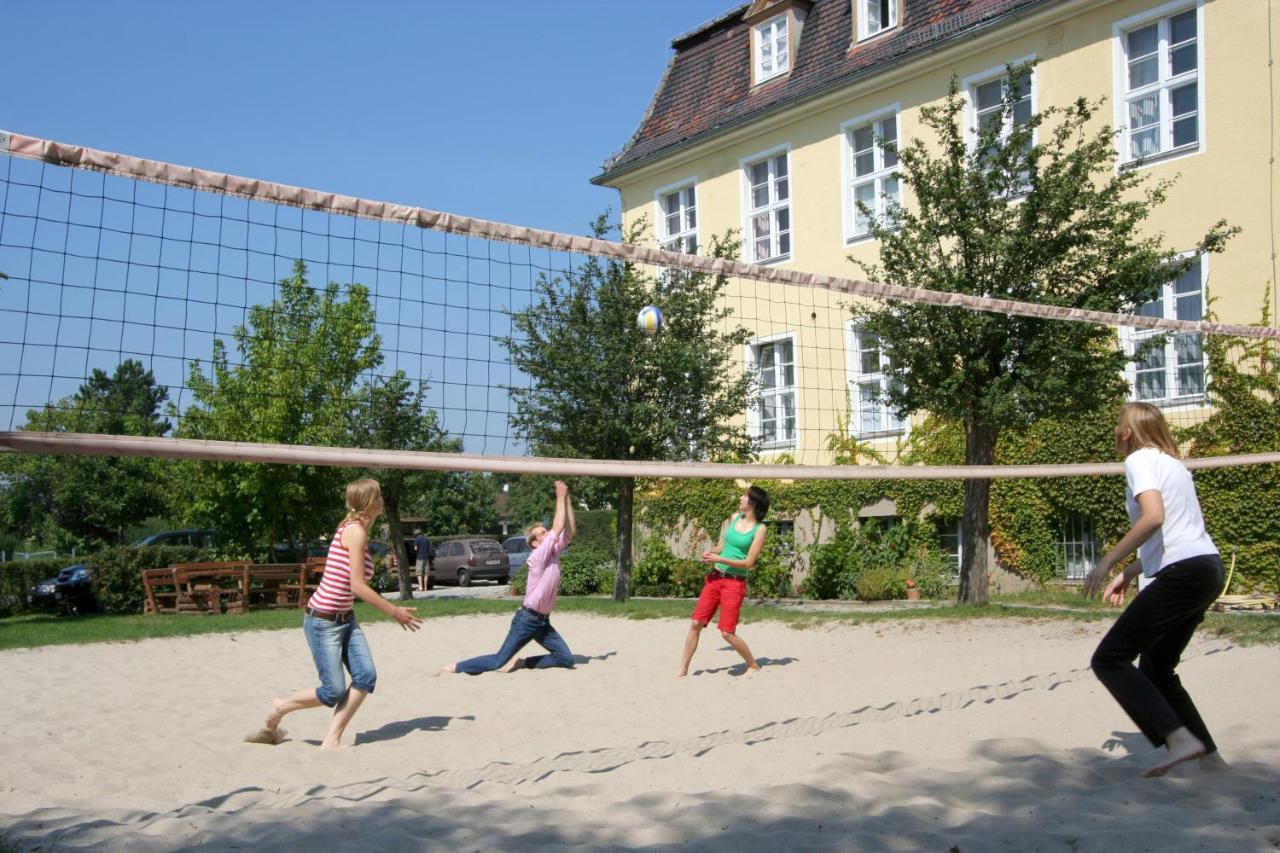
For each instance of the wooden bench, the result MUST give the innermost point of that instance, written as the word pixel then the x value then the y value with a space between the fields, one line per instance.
pixel 161 591
pixel 207 587
pixel 277 585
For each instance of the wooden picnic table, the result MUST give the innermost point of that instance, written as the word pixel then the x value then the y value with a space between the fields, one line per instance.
pixel 230 587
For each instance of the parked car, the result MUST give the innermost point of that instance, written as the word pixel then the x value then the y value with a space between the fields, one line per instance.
pixel 463 560
pixel 71 591
pixel 518 551
pixel 193 537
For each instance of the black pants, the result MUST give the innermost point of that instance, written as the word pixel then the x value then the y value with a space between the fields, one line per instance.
pixel 1155 628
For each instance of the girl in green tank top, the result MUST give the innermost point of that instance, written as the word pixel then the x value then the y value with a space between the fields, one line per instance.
pixel 736 545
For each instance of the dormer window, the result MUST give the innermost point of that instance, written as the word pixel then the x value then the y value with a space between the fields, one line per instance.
pixel 876 16
pixel 775 36
pixel 772 53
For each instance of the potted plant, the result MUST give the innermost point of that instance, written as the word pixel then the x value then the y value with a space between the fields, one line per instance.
pixel 913 592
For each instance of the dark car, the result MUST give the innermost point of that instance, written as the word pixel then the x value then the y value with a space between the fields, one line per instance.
pixel 71 591
pixel 192 537
pixel 461 561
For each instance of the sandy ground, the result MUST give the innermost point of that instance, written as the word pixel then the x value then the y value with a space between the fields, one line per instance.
pixel 928 735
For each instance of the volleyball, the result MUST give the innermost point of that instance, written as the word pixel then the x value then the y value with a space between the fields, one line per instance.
pixel 649 320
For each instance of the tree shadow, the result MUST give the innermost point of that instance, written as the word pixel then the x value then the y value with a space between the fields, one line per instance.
pixel 400 728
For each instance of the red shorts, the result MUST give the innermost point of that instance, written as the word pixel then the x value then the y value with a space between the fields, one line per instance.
pixel 727 593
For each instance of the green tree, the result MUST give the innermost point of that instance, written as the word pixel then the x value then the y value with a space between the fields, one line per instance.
pixel 294 382
pixel 1033 209
pixel 391 414
pixel 86 500
pixel 601 389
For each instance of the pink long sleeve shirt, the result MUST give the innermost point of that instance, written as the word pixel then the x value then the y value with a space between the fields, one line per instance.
pixel 544 573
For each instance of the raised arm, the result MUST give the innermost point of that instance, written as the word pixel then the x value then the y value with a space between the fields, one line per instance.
pixel 562 500
pixel 571 527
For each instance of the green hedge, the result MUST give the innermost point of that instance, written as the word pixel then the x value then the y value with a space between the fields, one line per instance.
pixel 117 576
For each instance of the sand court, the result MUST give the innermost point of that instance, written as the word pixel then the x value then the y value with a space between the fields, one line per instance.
pixel 981 735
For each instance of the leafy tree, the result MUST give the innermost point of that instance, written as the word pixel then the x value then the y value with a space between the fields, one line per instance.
pixel 294 382
pixel 390 414
pixel 91 498
pixel 600 389
pixel 456 502
pixel 1035 210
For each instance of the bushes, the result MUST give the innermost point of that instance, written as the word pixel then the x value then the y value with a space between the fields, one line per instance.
pixel 586 569
pixel 17 577
pixel 867 564
pixel 117 576
pixel 660 573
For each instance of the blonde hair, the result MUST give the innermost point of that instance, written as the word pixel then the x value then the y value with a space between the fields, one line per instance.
pixel 361 495
pixel 528 533
pixel 1147 428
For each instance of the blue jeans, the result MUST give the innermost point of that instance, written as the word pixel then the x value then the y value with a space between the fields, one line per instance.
pixel 526 625
pixel 335 645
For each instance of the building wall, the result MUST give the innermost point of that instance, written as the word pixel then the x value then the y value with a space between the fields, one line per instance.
pixel 1230 176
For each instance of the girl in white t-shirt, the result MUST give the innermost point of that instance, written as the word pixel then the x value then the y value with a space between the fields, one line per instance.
pixel 1185 572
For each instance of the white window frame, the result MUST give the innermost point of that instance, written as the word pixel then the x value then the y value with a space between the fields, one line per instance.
pixel 1077 548
pixel 970 86
pixel 686 238
pixel 769 33
pixel 856 378
pixel 954 530
pixel 878 176
pixel 864 20
pixel 771 208
pixel 1131 337
pixel 751 358
pixel 1163 85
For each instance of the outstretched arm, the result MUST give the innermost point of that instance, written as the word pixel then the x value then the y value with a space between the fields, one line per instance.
pixel 571 526
pixel 354 539
pixel 562 500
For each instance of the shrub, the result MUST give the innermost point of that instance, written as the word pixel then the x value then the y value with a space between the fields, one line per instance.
pixel 931 572
pixel 656 566
pixel 882 583
pixel 520 580
pixel 771 575
pixel 585 569
pixel 17 578
pixel 117 580
pixel 830 562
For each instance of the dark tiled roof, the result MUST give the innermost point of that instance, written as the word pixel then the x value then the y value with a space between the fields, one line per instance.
pixel 707 86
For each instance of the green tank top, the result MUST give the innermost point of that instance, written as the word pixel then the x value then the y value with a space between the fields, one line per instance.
pixel 736 546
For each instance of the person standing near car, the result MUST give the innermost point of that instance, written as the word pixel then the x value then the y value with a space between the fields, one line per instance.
pixel 422 548
pixel 332 632
pixel 533 620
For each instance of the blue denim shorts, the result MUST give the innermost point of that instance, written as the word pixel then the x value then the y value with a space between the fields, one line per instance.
pixel 335 646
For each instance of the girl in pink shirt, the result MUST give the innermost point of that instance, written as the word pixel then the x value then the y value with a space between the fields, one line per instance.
pixel 533 620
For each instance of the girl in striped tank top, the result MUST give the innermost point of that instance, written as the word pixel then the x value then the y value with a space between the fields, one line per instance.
pixel 330 625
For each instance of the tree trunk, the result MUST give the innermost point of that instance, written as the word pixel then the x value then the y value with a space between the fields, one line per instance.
pixel 626 494
pixel 391 499
pixel 975 528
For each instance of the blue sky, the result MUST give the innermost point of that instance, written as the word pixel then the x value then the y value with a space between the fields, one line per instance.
pixel 501 109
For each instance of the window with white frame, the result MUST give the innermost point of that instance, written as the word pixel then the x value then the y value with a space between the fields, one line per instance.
pixel 774 413
pixel 1170 366
pixel 679 220
pixel 873 181
pixel 987 97
pixel 950 542
pixel 769 208
pixel 1077 551
pixel 1161 86
pixel 868 383
pixel 772 53
pixel 876 16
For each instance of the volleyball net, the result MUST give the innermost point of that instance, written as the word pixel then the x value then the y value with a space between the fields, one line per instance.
pixel 264 320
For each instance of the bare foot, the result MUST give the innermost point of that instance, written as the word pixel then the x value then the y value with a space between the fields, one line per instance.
pixel 753 670
pixel 1182 746
pixel 682 673
pixel 278 710
pixel 513 665
pixel 331 745
pixel 449 667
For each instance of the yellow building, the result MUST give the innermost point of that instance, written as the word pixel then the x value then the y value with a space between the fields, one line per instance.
pixel 766 123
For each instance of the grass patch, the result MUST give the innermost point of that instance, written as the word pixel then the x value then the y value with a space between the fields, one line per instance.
pixel 32 631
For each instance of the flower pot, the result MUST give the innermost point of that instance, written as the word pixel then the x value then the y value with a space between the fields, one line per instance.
pixel 913 594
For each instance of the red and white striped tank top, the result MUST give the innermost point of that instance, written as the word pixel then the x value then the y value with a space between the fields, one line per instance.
pixel 334 593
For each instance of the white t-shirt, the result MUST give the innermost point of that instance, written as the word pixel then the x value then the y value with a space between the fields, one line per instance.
pixel 1182 535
